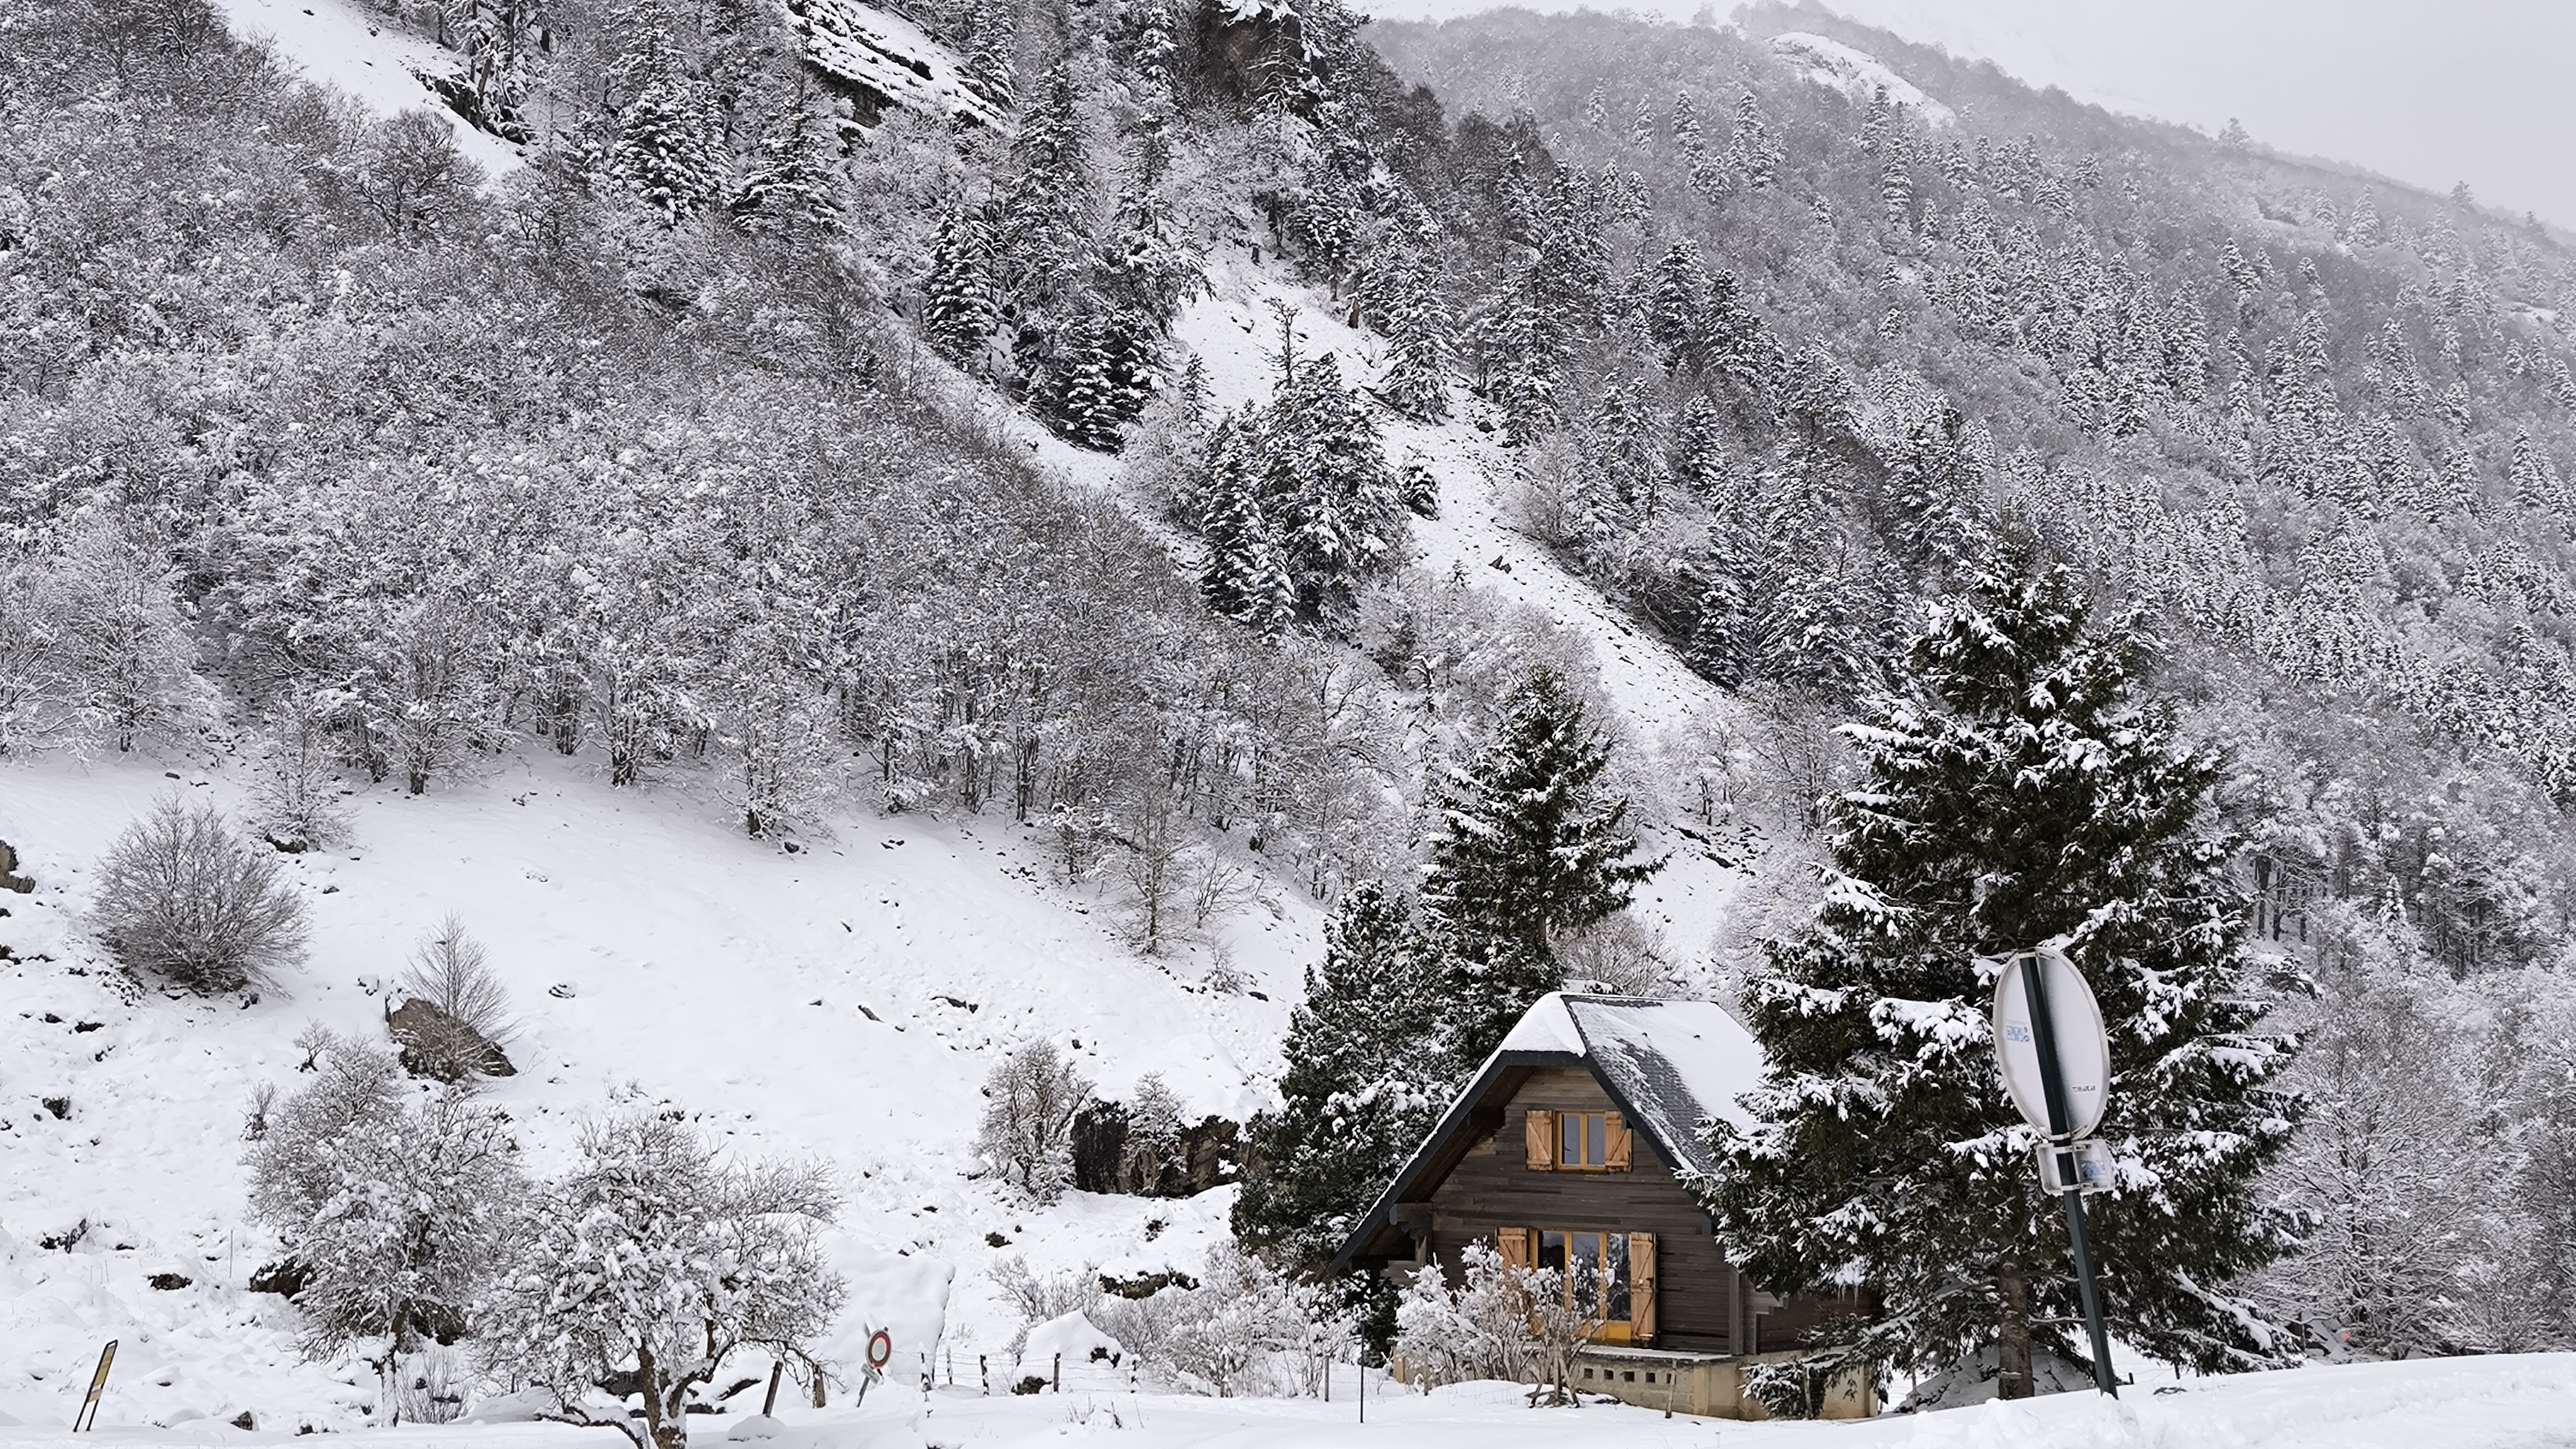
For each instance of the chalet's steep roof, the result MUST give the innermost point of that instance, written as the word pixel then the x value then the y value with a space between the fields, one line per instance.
pixel 1669 1065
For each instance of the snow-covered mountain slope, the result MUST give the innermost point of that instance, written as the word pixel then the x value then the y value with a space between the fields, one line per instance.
pixel 1659 702
pixel 844 1002
pixel 890 56
pixel 335 43
pixel 1857 74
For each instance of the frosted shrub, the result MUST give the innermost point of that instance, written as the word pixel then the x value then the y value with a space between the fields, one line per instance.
pixel 398 1204
pixel 181 897
pixel 1039 1299
pixel 1245 1329
pixel 1027 1136
pixel 429 1387
pixel 649 1265
pixel 1478 1330
pixel 297 803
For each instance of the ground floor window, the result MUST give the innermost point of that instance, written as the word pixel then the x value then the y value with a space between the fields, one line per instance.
pixel 1608 1277
pixel 1595 1269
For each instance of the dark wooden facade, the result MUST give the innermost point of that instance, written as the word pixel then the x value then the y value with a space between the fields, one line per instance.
pixel 1701 1303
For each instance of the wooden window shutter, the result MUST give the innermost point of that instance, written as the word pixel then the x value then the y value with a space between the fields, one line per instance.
pixel 1615 1143
pixel 1515 1243
pixel 1641 1286
pixel 1539 1136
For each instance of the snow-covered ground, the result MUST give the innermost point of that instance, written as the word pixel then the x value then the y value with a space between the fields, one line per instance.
pixel 844 1002
pixel 2519 1402
pixel 336 44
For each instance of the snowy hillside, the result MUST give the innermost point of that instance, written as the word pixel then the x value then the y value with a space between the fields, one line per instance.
pixel 334 43
pixel 891 57
pixel 844 1002
pixel 1857 74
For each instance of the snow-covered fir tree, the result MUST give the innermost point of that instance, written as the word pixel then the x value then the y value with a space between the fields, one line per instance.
pixel 2017 794
pixel 1366 1075
pixel 1530 847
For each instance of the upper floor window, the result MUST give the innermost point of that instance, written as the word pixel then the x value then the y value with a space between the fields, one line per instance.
pixel 1582 1139
pixel 1579 1142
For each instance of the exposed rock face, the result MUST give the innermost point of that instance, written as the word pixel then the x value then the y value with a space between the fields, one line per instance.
pixel 1107 1158
pixel 286 1279
pixel 10 880
pixel 435 1044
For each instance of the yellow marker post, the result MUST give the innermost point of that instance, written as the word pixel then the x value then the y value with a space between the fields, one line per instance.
pixel 97 1387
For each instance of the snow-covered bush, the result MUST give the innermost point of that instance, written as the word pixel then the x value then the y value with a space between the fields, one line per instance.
pixel 1478 1330
pixel 648 1265
pixel 398 1204
pixel 471 1021
pixel 182 897
pixel 1622 954
pixel 1027 1135
pixel 1245 1329
pixel 1041 1298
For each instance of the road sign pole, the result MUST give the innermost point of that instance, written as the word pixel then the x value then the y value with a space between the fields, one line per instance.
pixel 2043 1028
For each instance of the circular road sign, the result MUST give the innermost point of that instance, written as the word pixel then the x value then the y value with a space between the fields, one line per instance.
pixel 2083 1047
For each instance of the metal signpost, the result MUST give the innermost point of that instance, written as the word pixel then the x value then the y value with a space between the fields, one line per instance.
pixel 97 1388
pixel 880 1353
pixel 2056 1063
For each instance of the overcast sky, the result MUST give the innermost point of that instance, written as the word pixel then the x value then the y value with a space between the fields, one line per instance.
pixel 2428 91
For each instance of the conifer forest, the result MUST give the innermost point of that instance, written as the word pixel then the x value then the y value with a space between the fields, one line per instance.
pixel 1375 522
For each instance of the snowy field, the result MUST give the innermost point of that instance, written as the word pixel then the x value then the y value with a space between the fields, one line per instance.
pixel 2481 1403
pixel 843 1002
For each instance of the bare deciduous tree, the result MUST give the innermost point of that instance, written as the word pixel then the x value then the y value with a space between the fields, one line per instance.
pixel 1027 1134
pixel 182 897
pixel 471 1022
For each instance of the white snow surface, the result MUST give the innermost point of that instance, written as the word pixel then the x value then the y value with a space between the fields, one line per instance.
pixel 2501 1402
pixel 890 55
pixel 844 1002
pixel 1856 73
pixel 334 43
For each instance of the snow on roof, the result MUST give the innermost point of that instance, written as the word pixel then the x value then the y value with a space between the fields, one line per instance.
pixel 1675 1063
pixel 1546 1027
pixel 1857 74
pixel 891 56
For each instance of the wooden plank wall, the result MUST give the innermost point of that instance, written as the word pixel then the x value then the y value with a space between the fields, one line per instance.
pixel 1702 1304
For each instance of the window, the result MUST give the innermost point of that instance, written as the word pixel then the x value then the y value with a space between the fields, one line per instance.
pixel 1582 1139
pixel 1595 1266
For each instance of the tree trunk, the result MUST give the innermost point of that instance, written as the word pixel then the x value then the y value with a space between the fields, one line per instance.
pixel 2012 1344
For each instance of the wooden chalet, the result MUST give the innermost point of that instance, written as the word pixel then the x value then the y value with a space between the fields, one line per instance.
pixel 1573 1148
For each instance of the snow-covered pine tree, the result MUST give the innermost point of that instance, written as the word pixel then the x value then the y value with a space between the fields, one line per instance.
pixel 1529 848
pixel 1326 487
pixel 2017 794
pixel 1697 459
pixel 957 303
pixel 792 182
pixel 1364 1079
pixel 664 148
pixel 1044 208
pixel 1417 331
pixel 1936 486
pixel 1081 394
pixel 1519 353
pixel 1243 578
